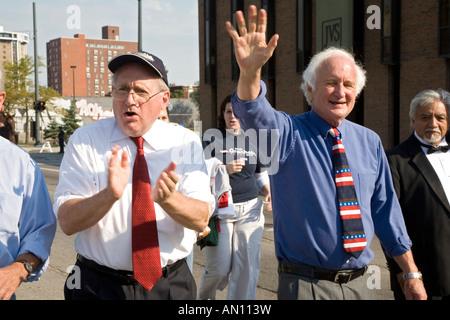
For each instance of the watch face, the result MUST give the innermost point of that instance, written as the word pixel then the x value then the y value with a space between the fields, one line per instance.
pixel 28 267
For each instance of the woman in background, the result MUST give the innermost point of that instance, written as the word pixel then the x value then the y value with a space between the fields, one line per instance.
pixel 235 261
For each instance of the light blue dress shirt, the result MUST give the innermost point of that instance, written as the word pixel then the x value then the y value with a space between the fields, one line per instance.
pixel 307 224
pixel 27 221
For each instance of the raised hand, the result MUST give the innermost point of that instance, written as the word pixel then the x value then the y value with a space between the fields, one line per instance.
pixel 251 49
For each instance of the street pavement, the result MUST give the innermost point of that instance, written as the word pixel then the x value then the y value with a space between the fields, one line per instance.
pixel 50 286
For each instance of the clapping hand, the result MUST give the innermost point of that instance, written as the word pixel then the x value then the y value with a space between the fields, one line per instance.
pixel 165 185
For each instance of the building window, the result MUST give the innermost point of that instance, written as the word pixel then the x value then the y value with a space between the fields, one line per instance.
pixel 444 28
pixel 210 42
pixel 268 70
pixel 236 5
pixel 390 32
pixel 304 34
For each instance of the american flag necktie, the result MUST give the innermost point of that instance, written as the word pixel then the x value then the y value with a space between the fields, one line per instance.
pixel 353 236
pixel 146 257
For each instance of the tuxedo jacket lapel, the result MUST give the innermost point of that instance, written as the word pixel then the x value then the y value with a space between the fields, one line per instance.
pixel 424 166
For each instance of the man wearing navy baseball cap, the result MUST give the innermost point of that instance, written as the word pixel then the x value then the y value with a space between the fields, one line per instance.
pixel 135 189
pixel 143 57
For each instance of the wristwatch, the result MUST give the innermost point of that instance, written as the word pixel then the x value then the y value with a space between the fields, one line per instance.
pixel 27 266
pixel 413 275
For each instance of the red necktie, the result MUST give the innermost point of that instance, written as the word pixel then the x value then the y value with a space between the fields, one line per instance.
pixel 353 237
pixel 146 258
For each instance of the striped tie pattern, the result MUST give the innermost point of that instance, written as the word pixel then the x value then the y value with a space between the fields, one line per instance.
pixel 353 237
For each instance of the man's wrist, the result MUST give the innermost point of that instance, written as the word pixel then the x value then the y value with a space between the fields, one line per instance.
pixel 26 265
pixel 412 275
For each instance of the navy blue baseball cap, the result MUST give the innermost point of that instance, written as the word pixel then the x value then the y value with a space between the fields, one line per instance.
pixel 143 57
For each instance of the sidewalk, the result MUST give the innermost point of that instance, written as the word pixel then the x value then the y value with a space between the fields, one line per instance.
pixel 39 149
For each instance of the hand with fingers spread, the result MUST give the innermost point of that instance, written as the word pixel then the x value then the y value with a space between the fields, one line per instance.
pixel 251 49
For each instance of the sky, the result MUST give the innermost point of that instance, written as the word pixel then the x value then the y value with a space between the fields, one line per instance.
pixel 169 28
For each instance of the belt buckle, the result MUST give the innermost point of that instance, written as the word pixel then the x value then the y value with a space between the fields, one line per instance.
pixel 342 277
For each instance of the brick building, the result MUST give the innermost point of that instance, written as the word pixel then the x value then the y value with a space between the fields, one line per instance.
pixel 86 61
pixel 403 45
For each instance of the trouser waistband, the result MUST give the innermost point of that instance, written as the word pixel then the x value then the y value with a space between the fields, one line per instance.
pixel 337 276
pixel 124 276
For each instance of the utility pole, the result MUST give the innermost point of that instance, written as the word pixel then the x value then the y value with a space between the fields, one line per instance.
pixel 139 25
pixel 37 129
pixel 73 80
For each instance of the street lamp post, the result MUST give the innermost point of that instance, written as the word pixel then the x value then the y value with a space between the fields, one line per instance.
pixel 73 80
pixel 139 25
pixel 37 128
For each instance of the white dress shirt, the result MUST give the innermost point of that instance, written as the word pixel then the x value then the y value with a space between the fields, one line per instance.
pixel 440 161
pixel 84 172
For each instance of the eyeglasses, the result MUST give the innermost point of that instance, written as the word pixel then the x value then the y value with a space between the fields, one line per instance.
pixel 139 97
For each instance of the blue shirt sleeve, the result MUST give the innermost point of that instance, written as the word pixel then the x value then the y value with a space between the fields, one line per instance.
pixel 386 212
pixel 37 223
pixel 27 220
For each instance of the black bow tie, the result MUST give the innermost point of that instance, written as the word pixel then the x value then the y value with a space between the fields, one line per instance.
pixel 433 149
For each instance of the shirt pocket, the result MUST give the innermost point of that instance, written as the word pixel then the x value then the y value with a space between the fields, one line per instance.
pixel 366 187
pixel 10 205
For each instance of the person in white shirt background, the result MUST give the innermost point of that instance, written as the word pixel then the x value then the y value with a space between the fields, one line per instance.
pixel 93 197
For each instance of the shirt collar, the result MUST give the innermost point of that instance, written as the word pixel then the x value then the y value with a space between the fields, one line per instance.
pixel 322 126
pixel 152 136
pixel 117 134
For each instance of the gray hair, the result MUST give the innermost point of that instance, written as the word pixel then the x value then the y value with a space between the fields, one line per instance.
pixel 427 97
pixel 309 75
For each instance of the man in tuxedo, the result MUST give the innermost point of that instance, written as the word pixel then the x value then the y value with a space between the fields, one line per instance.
pixel 420 169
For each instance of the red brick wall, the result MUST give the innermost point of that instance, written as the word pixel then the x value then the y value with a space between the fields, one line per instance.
pixel 420 67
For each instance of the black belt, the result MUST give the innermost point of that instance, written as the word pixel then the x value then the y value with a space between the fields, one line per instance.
pixel 337 276
pixel 122 276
